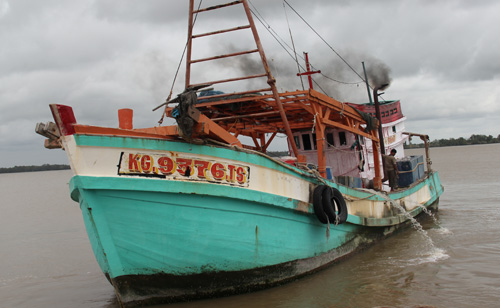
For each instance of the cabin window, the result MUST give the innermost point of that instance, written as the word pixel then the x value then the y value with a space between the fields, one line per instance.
pixel 306 141
pixel 342 138
pixel 297 141
pixel 315 141
pixel 394 129
pixel 329 140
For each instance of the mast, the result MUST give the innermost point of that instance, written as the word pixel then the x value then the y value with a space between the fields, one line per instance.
pixel 308 71
pixel 189 44
pixel 318 123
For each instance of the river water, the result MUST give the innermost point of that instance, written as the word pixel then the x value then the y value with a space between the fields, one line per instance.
pixel 47 261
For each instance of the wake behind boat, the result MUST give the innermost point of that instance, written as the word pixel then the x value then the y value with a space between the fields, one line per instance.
pixel 189 211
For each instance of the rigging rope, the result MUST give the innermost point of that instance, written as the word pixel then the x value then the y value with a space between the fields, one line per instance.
pixel 293 45
pixel 314 122
pixel 324 40
pixel 291 50
pixel 259 17
pixel 273 33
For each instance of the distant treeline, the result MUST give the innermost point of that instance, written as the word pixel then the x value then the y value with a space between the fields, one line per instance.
pixel 474 139
pixel 44 167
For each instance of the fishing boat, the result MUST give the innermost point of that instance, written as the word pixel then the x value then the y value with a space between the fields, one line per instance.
pixel 188 211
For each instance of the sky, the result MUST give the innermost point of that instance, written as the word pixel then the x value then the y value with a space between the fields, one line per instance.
pixel 99 56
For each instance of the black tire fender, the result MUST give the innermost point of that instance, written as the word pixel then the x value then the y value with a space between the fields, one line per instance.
pixel 334 205
pixel 318 203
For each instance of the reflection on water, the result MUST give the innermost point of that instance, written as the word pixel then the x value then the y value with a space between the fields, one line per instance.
pixel 47 260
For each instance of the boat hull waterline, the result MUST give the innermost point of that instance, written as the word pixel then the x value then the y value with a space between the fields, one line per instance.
pixel 171 221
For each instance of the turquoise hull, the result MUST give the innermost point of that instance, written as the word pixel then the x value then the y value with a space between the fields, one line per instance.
pixel 150 232
pixel 163 240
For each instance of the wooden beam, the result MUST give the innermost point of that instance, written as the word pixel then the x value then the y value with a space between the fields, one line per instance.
pixel 377 180
pixel 335 105
pixel 269 141
pixel 217 132
pixel 349 129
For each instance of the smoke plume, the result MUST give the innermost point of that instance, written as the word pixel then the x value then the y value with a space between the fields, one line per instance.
pixel 378 73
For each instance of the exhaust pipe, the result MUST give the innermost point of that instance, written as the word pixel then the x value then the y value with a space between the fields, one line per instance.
pixel 379 118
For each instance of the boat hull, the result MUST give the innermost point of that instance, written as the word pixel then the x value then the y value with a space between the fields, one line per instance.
pixel 160 288
pixel 163 237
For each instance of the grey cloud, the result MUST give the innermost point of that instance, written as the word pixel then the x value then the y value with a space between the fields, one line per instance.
pixel 151 11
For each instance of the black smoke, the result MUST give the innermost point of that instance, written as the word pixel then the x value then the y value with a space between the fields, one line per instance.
pixel 378 73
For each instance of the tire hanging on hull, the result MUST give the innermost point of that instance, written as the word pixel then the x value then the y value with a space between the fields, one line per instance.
pixel 329 205
pixel 318 204
pixel 334 204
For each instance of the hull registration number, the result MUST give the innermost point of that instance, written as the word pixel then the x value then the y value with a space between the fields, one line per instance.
pixel 177 167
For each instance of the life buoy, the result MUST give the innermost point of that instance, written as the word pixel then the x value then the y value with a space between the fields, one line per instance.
pixel 334 205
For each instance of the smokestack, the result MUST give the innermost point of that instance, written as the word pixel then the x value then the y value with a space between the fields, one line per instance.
pixel 379 118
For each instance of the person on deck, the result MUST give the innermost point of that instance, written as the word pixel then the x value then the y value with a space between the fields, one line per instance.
pixel 391 171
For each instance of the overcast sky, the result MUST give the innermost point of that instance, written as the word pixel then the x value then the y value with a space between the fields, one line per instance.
pixel 102 55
